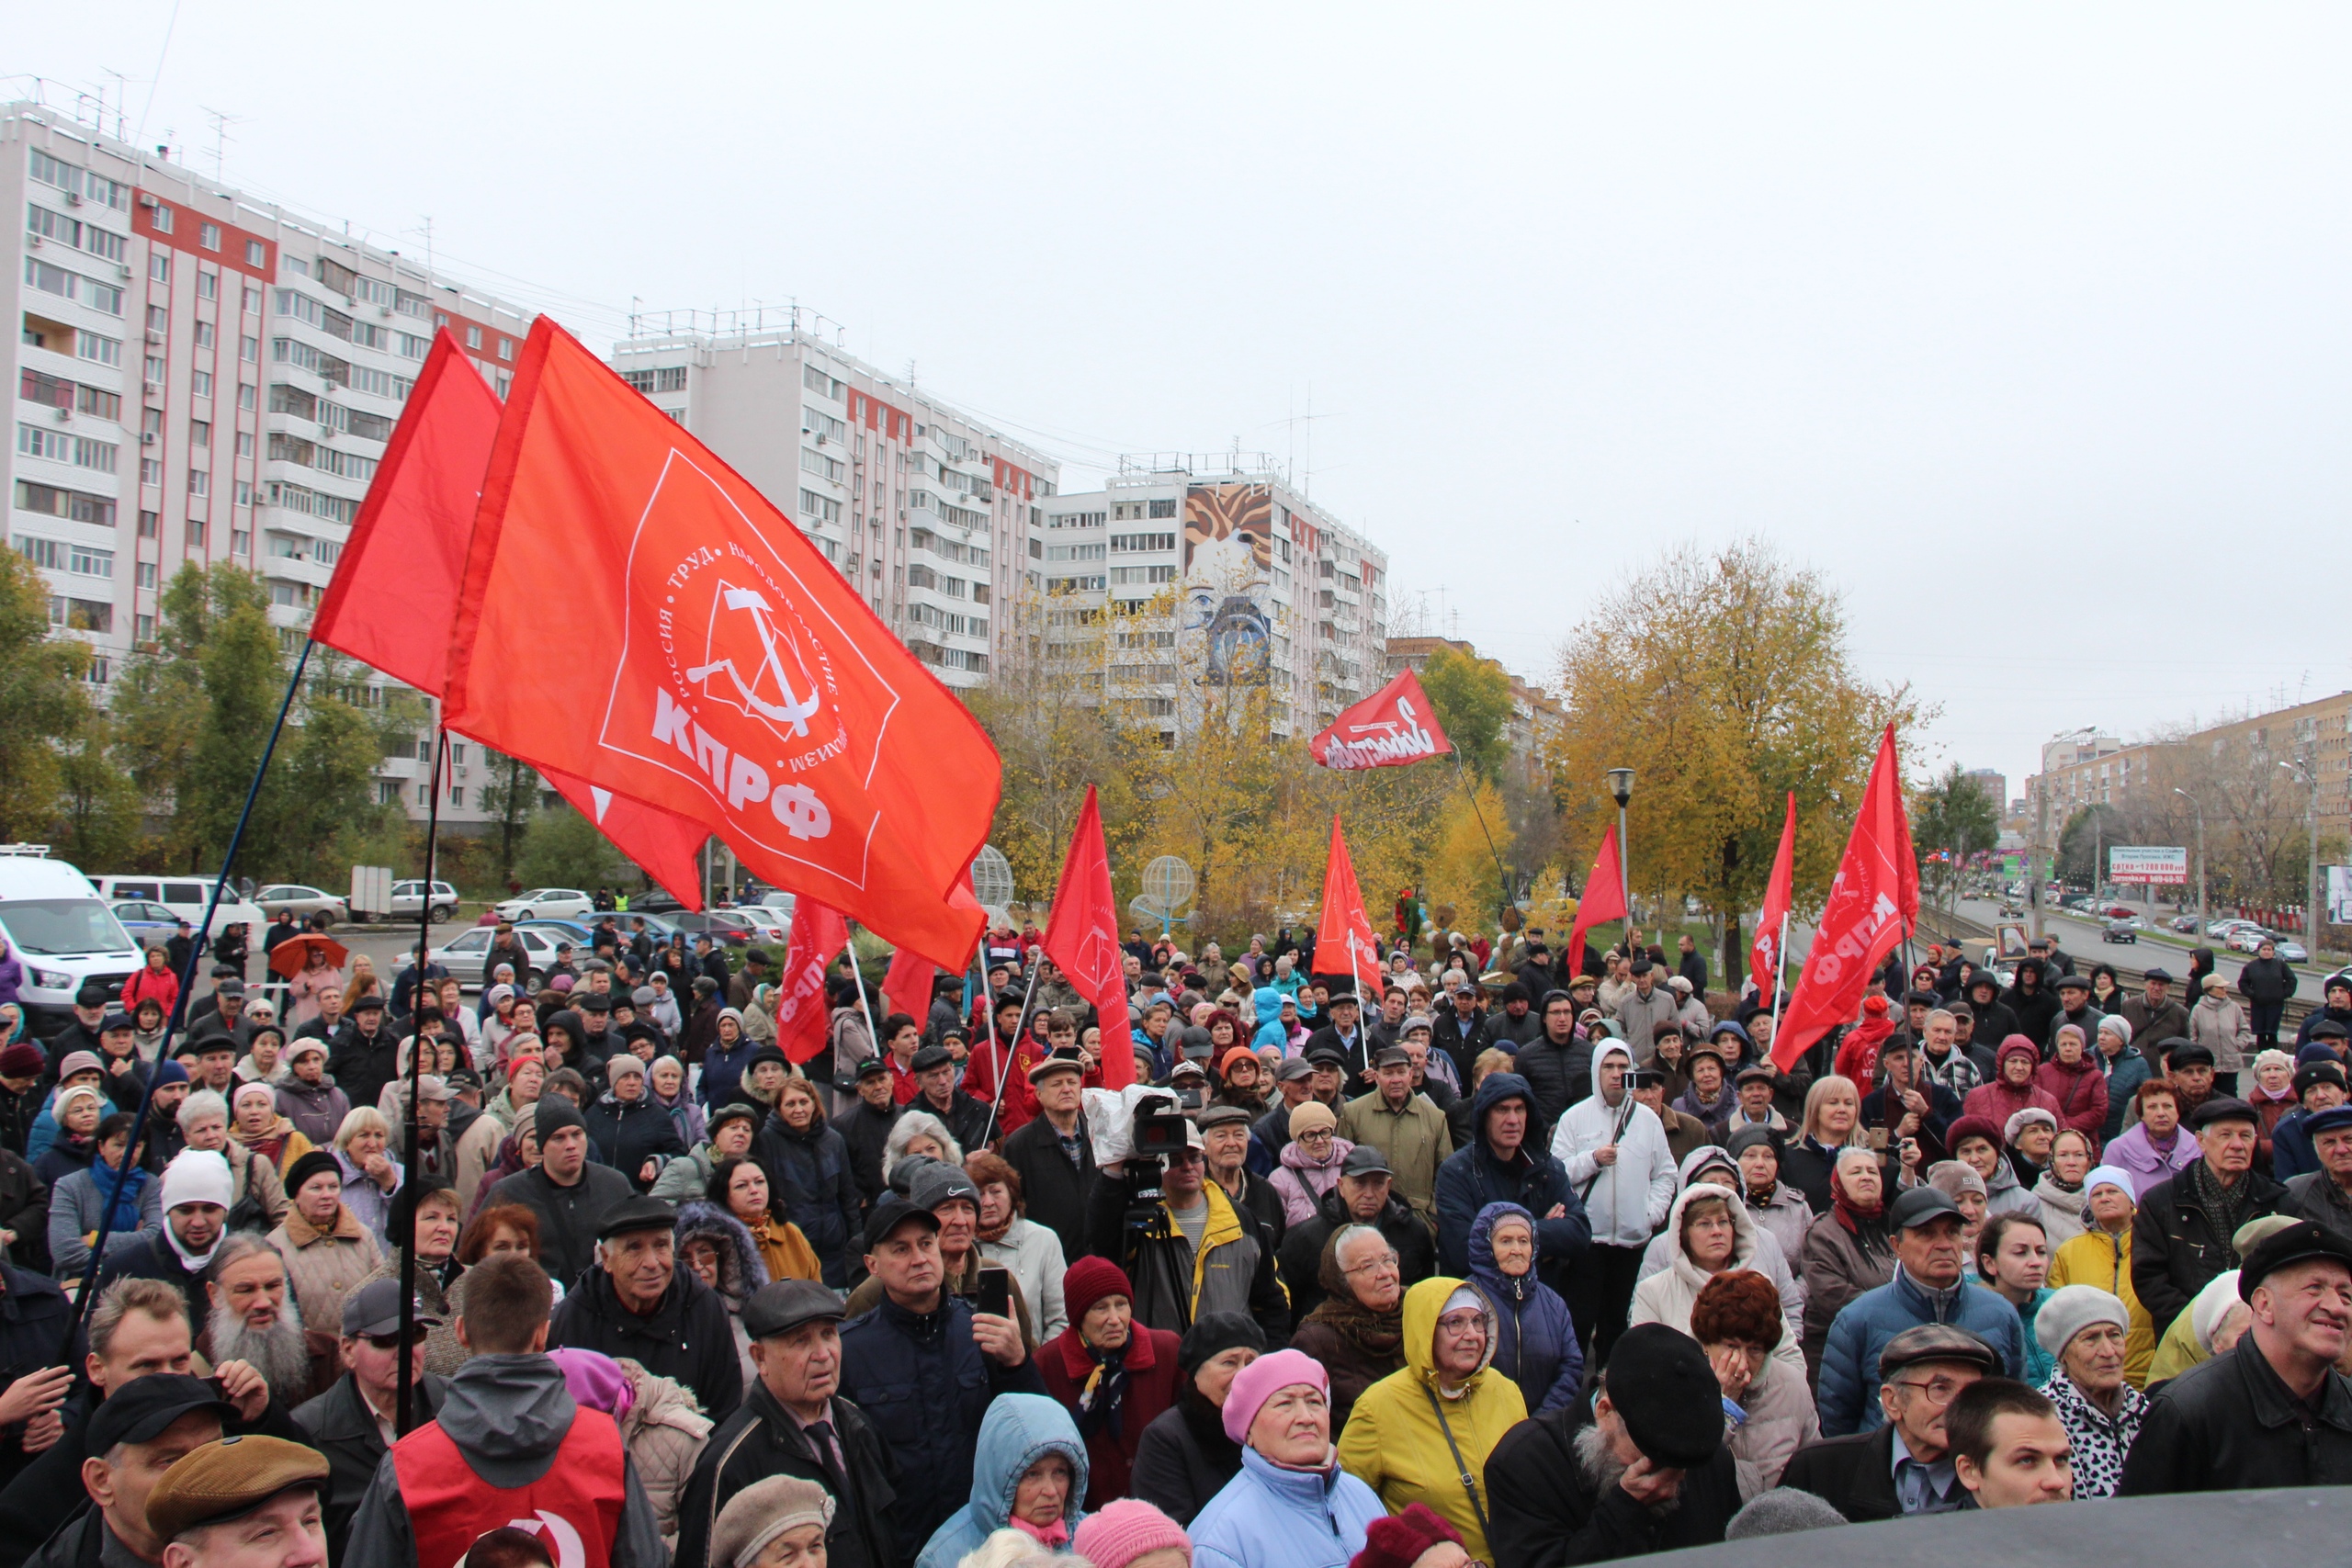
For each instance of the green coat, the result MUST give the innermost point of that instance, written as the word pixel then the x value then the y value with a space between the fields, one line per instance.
pixel 1416 1140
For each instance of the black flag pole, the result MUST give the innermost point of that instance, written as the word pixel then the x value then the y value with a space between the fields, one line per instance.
pixel 404 1413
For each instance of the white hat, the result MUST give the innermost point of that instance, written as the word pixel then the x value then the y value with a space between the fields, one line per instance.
pixel 196 1176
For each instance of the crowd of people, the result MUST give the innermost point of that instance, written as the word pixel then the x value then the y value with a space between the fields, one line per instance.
pixel 1511 1263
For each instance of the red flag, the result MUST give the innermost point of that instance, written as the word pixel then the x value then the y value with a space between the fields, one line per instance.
pixel 1082 938
pixel 395 588
pixel 1603 899
pixel 1389 729
pixel 1764 956
pixel 906 987
pixel 1871 906
pixel 736 677
pixel 1343 940
pixel 818 935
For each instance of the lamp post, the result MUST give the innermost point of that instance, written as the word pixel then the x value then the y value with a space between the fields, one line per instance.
pixel 2303 769
pixel 2202 915
pixel 1621 784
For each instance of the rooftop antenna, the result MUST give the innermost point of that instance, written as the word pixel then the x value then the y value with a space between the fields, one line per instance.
pixel 122 98
pixel 222 120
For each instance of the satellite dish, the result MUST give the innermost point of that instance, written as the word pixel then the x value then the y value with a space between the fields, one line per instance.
pixel 992 881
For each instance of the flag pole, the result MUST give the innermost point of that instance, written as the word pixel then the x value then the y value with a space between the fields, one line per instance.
pixel 1779 973
pixel 1019 1033
pixel 404 1411
pixel 1502 877
pixel 857 979
pixel 196 951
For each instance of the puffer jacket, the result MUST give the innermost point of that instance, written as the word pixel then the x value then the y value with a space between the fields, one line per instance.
pixel 1557 1073
pixel 1268 1516
pixel 2265 980
pixel 2080 1092
pixel 1668 1295
pixel 1396 1443
pixel 1472 1178
pixel 325 1266
pixel 2096 1258
pixel 1848 1386
pixel 1626 1200
pixel 810 1170
pixel 664 1431
pixel 2220 1024
pixel 1301 1182
pixel 1535 1337
pixel 631 1132
pixel 1020 1429
pixel 1997 1100
pixel 1777 1418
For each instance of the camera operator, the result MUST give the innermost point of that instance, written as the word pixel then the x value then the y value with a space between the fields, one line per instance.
pixel 1154 1212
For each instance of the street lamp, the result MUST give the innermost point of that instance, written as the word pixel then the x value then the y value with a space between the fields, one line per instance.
pixel 2203 915
pixel 2302 769
pixel 1621 784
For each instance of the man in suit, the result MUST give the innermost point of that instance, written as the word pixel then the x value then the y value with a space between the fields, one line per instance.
pixel 1905 1466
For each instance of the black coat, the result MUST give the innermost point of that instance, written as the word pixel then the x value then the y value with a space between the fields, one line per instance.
pixel 18 1114
pixel 1557 1076
pixel 1183 1460
pixel 2174 1253
pixel 967 1120
pixel 1301 1250
pixel 1854 1475
pixel 865 1130
pixel 341 1426
pixel 568 1215
pixel 2230 1422
pixel 761 1439
pixel 687 1336
pixel 33 1315
pixel 811 1172
pixel 151 1256
pixel 24 1209
pixel 1544 1512
pixel 362 1067
pixel 632 1133
pixel 1055 1192
pixel 1329 1036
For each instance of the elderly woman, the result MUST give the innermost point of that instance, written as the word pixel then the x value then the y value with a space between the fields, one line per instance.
pixel 665 1083
pixel 265 1057
pixel 1292 1505
pixel 2072 1077
pixel 1737 1319
pixel 427 1211
pixel 1849 1250
pixel 2012 1088
pixel 2087 1331
pixel 370 1175
pixel 1357 1332
pixel 1833 1109
pixel 1535 1337
pixel 1415 1431
pixel 1185 1457
pixel 918 1133
pixel 1980 1145
pixel 779 1522
pixel 1113 1375
pixel 256 1194
pixel 1779 1210
pixel 328 1250
pixel 78 1204
pixel 1029 1470
pixel 1008 1239
pixel 1309 1167
pixel 1712 1235
pixel 77 1110
pixel 1716 1167
pixel 636 1136
pixel 2060 1189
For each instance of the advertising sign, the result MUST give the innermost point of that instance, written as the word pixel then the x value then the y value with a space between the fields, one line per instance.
pixel 2162 866
pixel 2339 895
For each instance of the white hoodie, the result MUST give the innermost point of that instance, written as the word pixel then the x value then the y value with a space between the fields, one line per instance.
pixel 1628 1200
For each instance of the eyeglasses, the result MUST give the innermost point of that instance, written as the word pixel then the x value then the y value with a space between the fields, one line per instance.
pixel 1463 1325
pixel 1936 1391
pixel 1319 1136
pixel 1385 1263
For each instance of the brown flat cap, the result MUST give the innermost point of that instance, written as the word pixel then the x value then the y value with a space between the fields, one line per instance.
pixel 228 1479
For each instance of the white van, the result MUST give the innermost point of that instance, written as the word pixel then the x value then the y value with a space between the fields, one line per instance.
pixel 187 897
pixel 61 930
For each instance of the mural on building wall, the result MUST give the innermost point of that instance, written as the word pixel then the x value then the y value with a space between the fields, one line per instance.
pixel 1229 555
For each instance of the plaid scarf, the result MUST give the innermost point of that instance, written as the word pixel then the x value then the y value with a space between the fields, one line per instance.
pixel 2224 1208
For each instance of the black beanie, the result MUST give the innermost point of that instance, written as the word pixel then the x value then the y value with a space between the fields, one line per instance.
pixel 309 1166
pixel 552 1114
pixel 1661 1385
pixel 1213 1333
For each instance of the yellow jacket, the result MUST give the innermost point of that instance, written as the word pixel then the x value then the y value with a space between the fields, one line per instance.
pixel 2097 1259
pixel 1394 1443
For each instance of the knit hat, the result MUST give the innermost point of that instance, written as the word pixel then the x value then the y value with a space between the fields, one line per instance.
pixel 22 1060
pixel 1951 1178
pixel 2108 1176
pixel 2210 1305
pixel 1225 1068
pixel 2116 1023
pixel 594 1380
pixel 2070 1309
pixel 1784 1510
pixel 1983 1127
pixel 763 1511
pixel 1260 1380
pixel 2019 1121
pixel 1088 1281
pixel 1660 1383
pixel 1212 1333
pixel 551 1114
pixel 317 1162
pixel 198 1175
pixel 2272 1058
pixel 1749 1137
pixel 166 1073
pixel 1310 1116
pixel 1398 1540
pixel 79 1062
pixel 253 1087
pixel 621 1063
pixel 66 1097
pixel 1118 1533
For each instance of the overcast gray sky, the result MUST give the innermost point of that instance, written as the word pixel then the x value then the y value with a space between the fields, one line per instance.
pixel 2027 323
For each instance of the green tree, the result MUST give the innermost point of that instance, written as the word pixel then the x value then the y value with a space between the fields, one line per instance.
pixel 1955 815
pixel 99 804
pixel 2083 844
pixel 508 799
pixel 563 849
pixel 1472 696
pixel 41 700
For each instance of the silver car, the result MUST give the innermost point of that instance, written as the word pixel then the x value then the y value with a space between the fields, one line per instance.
pixel 465 956
pixel 304 901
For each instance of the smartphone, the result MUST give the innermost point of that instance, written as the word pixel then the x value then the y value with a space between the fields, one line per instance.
pixel 1877 1137
pixel 996 1293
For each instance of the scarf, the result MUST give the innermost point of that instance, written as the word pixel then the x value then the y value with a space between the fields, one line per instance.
pixel 1379 1335
pixel 2224 1208
pixel 1867 1226
pixel 1055 1534
pixel 1102 1401
pixel 996 1234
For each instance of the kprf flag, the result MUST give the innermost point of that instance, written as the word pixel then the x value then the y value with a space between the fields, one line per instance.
pixel 1603 899
pixel 1389 729
pixel 394 592
pixel 906 985
pixel 1764 957
pixel 1874 900
pixel 819 935
pixel 732 675
pixel 1343 940
pixel 1082 938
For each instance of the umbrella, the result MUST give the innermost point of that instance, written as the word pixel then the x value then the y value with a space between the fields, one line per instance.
pixel 289 956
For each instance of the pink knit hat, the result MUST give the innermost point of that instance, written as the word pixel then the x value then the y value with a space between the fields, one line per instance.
pixel 1261 1380
pixel 594 1380
pixel 1122 1531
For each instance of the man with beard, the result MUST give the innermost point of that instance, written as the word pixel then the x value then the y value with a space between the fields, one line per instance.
pixel 256 1320
pixel 351 1422
pixel 1641 1467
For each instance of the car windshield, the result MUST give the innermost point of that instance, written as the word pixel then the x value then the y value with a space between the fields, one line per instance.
pixel 47 927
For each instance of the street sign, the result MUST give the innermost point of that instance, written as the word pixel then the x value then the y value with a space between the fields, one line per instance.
pixel 2164 866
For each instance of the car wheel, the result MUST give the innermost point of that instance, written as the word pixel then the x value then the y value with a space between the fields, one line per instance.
pixel 442 912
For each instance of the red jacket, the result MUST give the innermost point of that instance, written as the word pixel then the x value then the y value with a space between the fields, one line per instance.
pixel 1153 1378
pixel 2081 1093
pixel 160 984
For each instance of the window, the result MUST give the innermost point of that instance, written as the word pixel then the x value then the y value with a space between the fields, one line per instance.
pixel 196 533
pixel 245 493
pixel 47 441
pixel 506 348
pixel 1126 575
pixel 816 381
pixel 200 383
pixel 208 236
pixel 241 543
pixel 388 792
pixel 249 350
pixel 200 483
pixel 81 615
pixel 98 350
pixel 473 337
pixel 412 346
pixel 252 302
pixel 1074 552
pixel 144 574
pixel 159 266
pixel 245 443
pixel 150 472
pixel 204 335
pixel 1163 508
pixel 823 425
pixel 661 379
pixel 457 798
pixel 1126 544
pixel 1075 520
pixel 823 467
pixel 155 372
pixel 245 402
pixel 158 319
pixel 256 254
pixel 71 504
pixel 163 219
pixel 80 560
pixel 208 285
pixel 143 628
pixel 200 434
pixel 151 524
pixel 817 508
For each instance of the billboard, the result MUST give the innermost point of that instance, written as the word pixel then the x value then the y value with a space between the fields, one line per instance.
pixel 2166 867
pixel 2339 895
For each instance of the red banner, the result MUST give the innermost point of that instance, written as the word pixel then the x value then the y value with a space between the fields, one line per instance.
pixel 819 936
pixel 734 677
pixel 1393 727
pixel 395 588
pixel 1343 940
pixel 906 986
pixel 1764 957
pixel 1873 902
pixel 1082 938
pixel 1603 899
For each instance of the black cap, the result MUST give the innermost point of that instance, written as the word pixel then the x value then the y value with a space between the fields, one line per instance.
pixel 1328 1054
pixel 770 1053
pixel 872 1067
pixel 1641 967
pixel 736 1112
pixel 140 1410
pixel 891 1212
pixel 1295 1069
pixel 930 1056
pixel 2328 1029
pixel 594 1001
pixel 2080 982
pixel 1365 1159
pixel 92 994
pixel 1392 1056
pixel 1919 1205
pixel 115 1020
pixel 939 1182
pixel 2180 1052
pixel 2297 1243
pixel 2221 1107
pixel 371 1002
pixel 783 1305
pixel 1916 998
pixel 1661 1385
pixel 636 1215
pixel 2164 974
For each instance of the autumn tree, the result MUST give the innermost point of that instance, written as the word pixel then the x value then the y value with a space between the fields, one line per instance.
pixel 42 703
pixel 1725 681
pixel 1953 815
pixel 1472 696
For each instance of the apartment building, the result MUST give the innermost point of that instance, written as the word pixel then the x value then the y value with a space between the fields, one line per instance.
pixel 1536 718
pixel 928 510
pixel 202 376
pixel 1995 785
pixel 2087 769
pixel 1224 577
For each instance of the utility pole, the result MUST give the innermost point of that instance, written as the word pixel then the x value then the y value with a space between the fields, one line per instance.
pixel 2306 768
pixel 2033 858
pixel 2204 915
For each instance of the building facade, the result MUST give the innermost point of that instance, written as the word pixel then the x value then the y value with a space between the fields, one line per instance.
pixel 1536 718
pixel 1995 785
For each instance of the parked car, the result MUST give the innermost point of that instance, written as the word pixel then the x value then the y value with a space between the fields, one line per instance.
pixel 187 897
pixel 2247 938
pixel 304 901
pixel 560 902
pixel 2184 924
pixel 653 902
pixel 2290 950
pixel 724 927
pixel 62 933
pixel 150 925
pixel 465 955
pixel 408 903
pixel 2118 911
pixel 2118 931
pixel 767 924
pixel 2224 927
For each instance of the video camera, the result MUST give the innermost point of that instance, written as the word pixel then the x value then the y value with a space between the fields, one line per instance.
pixel 1157 1131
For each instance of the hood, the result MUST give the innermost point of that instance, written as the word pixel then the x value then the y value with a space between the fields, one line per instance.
pixel 1019 1430
pixel 2200 958
pixel 740 1270
pixel 1743 1246
pixel 1268 1001
pixel 1483 1272
pixel 1496 1088
pixel 1746 1042
pixel 1602 1052
pixel 1423 1305
pixel 1698 1160
pixel 508 1414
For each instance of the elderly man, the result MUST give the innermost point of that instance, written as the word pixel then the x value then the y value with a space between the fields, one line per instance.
pixel 2326 1195
pixel 1404 1124
pixel 2155 1015
pixel 132 1439
pixel 243 1503
pixel 1225 1153
pixel 2273 1411
pixel 1364 1195
pixel 2180 1239
pixel 255 1320
pixel 351 1422
pixel 638 1303
pixel 195 1198
pixel 1905 1465
pixel 794 1422
pixel 1643 1008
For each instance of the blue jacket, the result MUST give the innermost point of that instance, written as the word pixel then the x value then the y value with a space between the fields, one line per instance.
pixel 811 1172
pixel 1266 1516
pixel 1535 1339
pixel 722 1072
pixel 1848 1392
pixel 925 1386
pixel 2125 1074
pixel 1472 1177
pixel 1019 1430
pixel 1269 1003
pixel 2290 1147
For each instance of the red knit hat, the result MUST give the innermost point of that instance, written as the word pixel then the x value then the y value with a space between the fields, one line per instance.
pixel 1398 1541
pixel 1118 1533
pixel 1090 1279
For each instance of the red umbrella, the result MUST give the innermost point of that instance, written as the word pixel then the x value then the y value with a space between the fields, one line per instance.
pixel 289 956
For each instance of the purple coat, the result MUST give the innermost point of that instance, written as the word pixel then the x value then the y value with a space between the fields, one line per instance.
pixel 2147 1164
pixel 12 972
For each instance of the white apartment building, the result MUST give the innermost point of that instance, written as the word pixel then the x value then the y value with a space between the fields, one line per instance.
pixel 202 376
pixel 929 512
pixel 1268 588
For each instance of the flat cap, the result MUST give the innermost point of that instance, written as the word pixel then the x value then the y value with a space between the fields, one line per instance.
pixel 930 1056
pixel 2221 1107
pixel 1936 1342
pixel 2297 1243
pixel 2164 974
pixel 1365 1159
pixel 228 1479
pixel 1295 1069
pixel 782 1305
pixel 1056 1063
pixel 1220 1116
pixel 636 1215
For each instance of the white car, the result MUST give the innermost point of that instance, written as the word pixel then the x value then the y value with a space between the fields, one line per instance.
pixel 60 931
pixel 187 897
pixel 408 903
pixel 465 955
pixel 303 900
pixel 767 923
pixel 546 904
